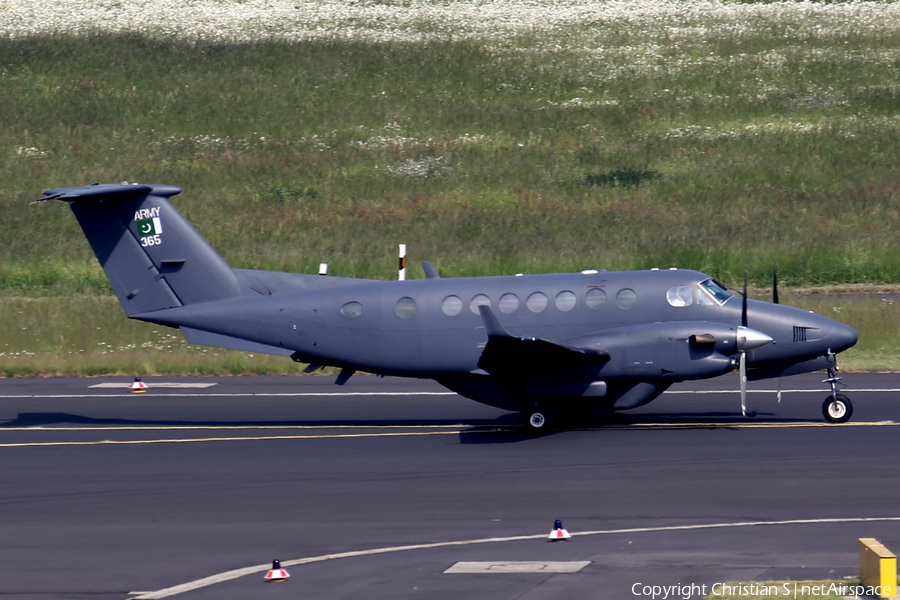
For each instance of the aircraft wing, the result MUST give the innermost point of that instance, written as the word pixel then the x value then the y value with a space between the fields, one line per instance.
pixel 507 355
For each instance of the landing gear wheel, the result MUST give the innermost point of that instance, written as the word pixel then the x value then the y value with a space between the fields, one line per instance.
pixel 837 409
pixel 535 419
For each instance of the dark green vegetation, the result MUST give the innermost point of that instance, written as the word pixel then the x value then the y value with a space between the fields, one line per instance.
pixel 483 160
pixel 731 152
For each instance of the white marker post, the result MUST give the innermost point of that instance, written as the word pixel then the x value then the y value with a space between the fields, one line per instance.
pixel 401 276
pixel 323 268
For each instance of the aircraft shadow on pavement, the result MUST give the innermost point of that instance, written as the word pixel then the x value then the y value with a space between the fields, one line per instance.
pixel 496 433
pixel 49 419
pixel 506 429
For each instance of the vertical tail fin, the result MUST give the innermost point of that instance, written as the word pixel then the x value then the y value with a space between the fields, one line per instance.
pixel 152 256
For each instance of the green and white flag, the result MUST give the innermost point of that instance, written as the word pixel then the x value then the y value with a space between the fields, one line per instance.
pixel 151 226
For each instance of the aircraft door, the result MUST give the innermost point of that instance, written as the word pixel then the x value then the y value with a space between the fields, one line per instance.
pixel 303 324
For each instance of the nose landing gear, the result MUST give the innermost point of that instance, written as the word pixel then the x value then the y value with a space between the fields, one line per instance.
pixel 837 407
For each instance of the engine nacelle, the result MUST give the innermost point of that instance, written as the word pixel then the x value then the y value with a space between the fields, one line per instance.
pixel 677 350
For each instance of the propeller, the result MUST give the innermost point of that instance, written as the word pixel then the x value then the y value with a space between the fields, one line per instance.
pixel 747 339
pixel 775 284
pixel 775 301
pixel 741 347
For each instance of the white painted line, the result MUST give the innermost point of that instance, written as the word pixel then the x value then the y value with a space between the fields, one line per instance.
pixel 518 567
pixel 54 428
pixel 237 573
pixel 155 384
pixel 821 390
pixel 236 395
pixel 398 394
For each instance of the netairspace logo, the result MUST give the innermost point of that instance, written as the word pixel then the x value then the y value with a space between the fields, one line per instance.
pixel 786 589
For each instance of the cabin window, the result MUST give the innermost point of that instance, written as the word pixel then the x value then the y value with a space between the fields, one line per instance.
pixel 451 306
pixel 595 298
pixel 405 307
pixel 508 304
pixel 565 301
pixel 479 300
pixel 352 309
pixel 626 298
pixel 680 295
pixel 537 302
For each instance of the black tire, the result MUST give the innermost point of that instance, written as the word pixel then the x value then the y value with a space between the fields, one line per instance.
pixel 535 419
pixel 837 410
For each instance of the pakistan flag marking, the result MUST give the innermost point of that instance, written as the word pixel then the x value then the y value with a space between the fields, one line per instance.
pixel 151 226
pixel 148 221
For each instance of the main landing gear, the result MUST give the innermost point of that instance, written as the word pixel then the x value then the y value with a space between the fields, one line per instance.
pixel 837 407
pixel 535 418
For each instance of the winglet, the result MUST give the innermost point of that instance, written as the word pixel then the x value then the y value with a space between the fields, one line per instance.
pixel 491 324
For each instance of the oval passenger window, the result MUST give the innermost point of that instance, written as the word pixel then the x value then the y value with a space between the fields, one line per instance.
pixel 565 301
pixel 626 298
pixel 508 303
pixel 595 298
pixel 352 309
pixel 451 306
pixel 537 302
pixel 405 307
pixel 479 300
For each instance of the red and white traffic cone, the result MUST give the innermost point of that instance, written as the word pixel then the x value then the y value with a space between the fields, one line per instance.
pixel 558 532
pixel 138 386
pixel 276 573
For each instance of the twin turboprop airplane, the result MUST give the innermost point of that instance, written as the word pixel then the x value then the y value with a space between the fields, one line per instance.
pixel 536 344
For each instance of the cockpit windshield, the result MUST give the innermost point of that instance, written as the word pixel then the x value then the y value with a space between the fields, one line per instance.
pixel 716 290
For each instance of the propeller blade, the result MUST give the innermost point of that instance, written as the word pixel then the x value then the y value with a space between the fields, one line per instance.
pixel 744 304
pixel 775 284
pixel 779 390
pixel 744 384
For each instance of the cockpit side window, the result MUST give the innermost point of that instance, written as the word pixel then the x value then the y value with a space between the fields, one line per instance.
pixel 703 299
pixel 680 295
pixel 715 290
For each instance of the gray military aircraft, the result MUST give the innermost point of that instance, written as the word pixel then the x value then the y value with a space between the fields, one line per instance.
pixel 536 344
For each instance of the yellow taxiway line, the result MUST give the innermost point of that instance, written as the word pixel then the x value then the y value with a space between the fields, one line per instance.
pixel 432 430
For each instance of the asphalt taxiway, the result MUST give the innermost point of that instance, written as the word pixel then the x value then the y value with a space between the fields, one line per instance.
pixel 376 488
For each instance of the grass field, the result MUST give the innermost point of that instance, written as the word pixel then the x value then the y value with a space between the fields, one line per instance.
pixel 491 137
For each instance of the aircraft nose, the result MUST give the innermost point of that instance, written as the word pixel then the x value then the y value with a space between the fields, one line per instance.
pixel 842 337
